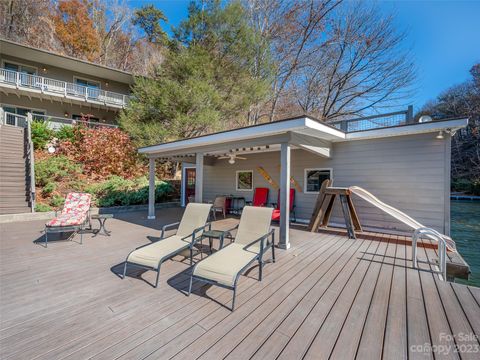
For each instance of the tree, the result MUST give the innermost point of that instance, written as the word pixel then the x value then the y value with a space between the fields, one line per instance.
pixel 360 66
pixel 148 18
pixel 180 101
pixel 29 22
pixel 206 82
pixel 75 29
pixel 225 32
pixel 462 100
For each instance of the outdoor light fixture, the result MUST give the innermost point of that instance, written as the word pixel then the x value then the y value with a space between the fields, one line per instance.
pixel 440 135
pixel 231 161
pixel 424 119
pixel 44 69
pixel 66 114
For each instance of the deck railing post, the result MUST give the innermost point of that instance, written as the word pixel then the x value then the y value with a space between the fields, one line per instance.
pixel 199 178
pixel 409 114
pixel 284 242
pixel 151 189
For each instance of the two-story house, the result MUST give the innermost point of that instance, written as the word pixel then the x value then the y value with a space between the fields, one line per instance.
pixel 45 83
pixel 55 88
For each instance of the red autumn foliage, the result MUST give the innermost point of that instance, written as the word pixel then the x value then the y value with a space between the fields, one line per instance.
pixel 103 152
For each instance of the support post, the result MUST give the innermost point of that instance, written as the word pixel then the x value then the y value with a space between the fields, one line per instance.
pixel 410 114
pixel 284 242
pixel 199 178
pixel 151 189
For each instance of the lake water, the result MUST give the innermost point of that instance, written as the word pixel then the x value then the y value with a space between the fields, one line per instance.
pixel 465 221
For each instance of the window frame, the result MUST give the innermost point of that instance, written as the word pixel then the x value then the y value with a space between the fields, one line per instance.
pixel 75 78
pixel 20 65
pixel 236 180
pixel 306 170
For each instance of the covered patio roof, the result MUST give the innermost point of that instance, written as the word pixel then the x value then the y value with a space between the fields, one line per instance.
pixel 301 132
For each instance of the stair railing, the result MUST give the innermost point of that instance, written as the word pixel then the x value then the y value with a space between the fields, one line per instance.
pixel 442 249
pixel 31 160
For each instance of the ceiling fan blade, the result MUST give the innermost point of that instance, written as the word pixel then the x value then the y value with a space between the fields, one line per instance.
pixel 240 158
pixel 223 157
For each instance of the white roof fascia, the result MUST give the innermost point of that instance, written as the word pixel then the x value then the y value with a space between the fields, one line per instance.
pixel 303 125
pixel 417 128
pixel 252 132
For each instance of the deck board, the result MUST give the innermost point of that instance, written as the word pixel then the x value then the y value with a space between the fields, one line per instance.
pixel 326 297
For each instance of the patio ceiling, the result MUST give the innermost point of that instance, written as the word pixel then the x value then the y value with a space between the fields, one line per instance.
pixel 300 132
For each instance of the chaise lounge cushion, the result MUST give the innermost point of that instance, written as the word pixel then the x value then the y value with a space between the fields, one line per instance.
pixel 224 265
pixel 151 255
pixel 75 211
pixel 194 217
pixel 70 219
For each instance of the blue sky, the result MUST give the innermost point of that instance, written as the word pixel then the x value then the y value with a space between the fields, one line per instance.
pixel 444 37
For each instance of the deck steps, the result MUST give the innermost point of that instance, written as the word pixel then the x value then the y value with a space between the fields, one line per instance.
pixel 14 194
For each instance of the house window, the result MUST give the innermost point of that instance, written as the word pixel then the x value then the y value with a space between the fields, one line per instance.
pixel 244 180
pixel 314 179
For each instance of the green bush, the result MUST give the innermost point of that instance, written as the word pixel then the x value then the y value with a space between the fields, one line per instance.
pixel 49 188
pixel 54 168
pixel 467 186
pixel 41 134
pixel 57 201
pixel 39 207
pixel 117 191
pixel 66 132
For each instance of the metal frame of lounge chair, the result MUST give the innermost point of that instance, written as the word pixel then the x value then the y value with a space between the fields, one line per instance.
pixel 170 255
pixel 259 258
pixel 75 228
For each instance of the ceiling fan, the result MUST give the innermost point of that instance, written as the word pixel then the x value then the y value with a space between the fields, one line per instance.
pixel 232 157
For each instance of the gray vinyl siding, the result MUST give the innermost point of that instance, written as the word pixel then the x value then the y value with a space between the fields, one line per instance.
pixel 407 172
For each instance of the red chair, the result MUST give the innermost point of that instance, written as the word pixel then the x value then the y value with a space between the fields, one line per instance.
pixel 260 197
pixel 276 211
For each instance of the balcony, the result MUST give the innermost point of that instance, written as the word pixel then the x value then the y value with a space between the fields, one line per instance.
pixel 61 89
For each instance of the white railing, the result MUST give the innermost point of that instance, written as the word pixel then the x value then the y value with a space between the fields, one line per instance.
pixel 12 119
pixel 31 161
pixel 54 122
pixel 47 85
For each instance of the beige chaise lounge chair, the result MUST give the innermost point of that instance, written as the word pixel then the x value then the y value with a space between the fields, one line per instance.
pixel 190 230
pixel 224 267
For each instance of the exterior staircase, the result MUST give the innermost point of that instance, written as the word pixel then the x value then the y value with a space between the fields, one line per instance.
pixel 14 180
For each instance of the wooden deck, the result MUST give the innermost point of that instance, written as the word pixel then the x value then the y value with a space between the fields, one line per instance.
pixel 326 297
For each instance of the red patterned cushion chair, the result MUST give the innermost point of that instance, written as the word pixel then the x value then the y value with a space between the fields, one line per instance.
pixel 74 216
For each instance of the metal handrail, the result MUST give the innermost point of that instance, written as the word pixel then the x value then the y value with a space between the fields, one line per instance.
pixel 72 122
pixel 31 160
pixel 375 121
pixel 58 86
pixel 13 119
pixel 442 249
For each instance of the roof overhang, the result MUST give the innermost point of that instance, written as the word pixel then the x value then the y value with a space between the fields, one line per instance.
pixel 65 62
pixel 410 129
pixel 302 133
pixel 252 136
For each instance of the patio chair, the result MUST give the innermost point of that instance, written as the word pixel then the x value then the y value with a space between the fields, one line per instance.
pixel 74 216
pixel 219 205
pixel 260 197
pixel 276 212
pixel 189 232
pixel 225 266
